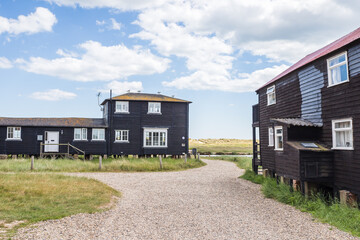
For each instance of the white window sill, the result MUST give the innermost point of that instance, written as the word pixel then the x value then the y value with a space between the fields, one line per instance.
pixel 122 112
pixel 270 145
pixel 279 149
pixel 121 142
pixel 155 147
pixel 338 83
pixel 342 148
pixel 14 139
pixel 80 140
pixel 96 140
pixel 272 104
pixel 154 113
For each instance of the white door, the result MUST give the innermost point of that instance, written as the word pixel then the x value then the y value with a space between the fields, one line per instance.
pixel 51 138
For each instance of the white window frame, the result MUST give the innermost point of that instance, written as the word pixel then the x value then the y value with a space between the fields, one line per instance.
pixel 122 107
pixel 271 136
pixel 271 91
pixel 122 133
pixel 97 130
pixel 15 137
pixel 276 138
pixel 153 108
pixel 151 131
pixel 83 134
pixel 334 130
pixel 336 66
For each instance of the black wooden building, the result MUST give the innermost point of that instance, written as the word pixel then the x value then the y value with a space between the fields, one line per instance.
pixel 132 124
pixel 308 119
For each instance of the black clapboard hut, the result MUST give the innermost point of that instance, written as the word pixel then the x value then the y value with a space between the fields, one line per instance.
pixel 314 102
pixel 132 124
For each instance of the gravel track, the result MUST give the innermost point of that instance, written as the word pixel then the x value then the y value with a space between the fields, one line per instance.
pixel 210 202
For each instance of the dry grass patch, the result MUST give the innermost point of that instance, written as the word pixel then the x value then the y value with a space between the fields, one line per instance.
pixel 222 146
pixel 29 198
pixel 108 165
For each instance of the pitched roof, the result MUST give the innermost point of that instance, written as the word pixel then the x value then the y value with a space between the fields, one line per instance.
pixel 53 122
pixel 349 38
pixel 146 97
pixel 295 122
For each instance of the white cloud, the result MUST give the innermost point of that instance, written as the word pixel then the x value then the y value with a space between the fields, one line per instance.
pixel 53 95
pixel 98 63
pixel 116 4
pixel 100 23
pixel 112 24
pixel 122 87
pixel 208 34
pixel 42 20
pixel 202 80
pixel 115 25
pixel 5 63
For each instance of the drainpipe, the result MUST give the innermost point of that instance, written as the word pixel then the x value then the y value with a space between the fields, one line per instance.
pixel 110 121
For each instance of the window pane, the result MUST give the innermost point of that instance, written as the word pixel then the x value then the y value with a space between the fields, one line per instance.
pixel 84 134
pixel 156 139
pixel 148 139
pixel 337 60
pixel 95 133
pixel 162 139
pixel 117 135
pixel 342 124
pixel 125 135
pixel 101 134
pixel 343 139
pixel 77 135
pixel 343 73
pixel 279 142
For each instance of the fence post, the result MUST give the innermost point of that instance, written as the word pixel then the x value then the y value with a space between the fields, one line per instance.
pixel 198 156
pixel 161 165
pixel 32 163
pixel 41 149
pixel 100 162
pixel 185 158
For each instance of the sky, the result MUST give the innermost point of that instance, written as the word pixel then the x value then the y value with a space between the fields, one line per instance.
pixel 57 55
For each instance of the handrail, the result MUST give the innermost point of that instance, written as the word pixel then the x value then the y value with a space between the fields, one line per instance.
pixel 77 149
pixel 61 144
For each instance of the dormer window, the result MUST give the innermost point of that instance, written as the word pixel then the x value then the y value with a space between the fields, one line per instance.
pixel 338 69
pixel 271 96
pixel 154 108
pixel 122 107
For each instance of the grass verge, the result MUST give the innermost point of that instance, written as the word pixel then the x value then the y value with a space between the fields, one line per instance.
pixel 29 198
pixel 108 165
pixel 321 207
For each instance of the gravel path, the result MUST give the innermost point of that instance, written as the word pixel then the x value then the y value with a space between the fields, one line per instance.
pixel 205 203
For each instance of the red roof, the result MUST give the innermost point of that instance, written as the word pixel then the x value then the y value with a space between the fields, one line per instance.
pixel 319 53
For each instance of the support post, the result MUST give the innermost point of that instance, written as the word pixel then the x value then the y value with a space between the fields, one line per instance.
pixel 32 163
pixel 198 156
pixel 185 158
pixel 160 160
pixel 100 162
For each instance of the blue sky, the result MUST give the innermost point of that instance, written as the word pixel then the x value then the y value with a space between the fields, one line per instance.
pixel 56 55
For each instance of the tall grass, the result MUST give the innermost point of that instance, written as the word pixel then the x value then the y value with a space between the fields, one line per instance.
pixel 329 211
pixel 222 146
pixel 108 165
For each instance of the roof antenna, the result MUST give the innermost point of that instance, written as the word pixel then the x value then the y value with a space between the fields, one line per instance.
pixel 98 96
pixel 159 92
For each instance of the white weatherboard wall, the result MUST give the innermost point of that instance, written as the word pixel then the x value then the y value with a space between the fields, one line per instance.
pixel 311 81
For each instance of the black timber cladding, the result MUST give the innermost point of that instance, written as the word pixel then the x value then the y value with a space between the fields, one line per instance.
pixel 174 116
pixel 314 101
